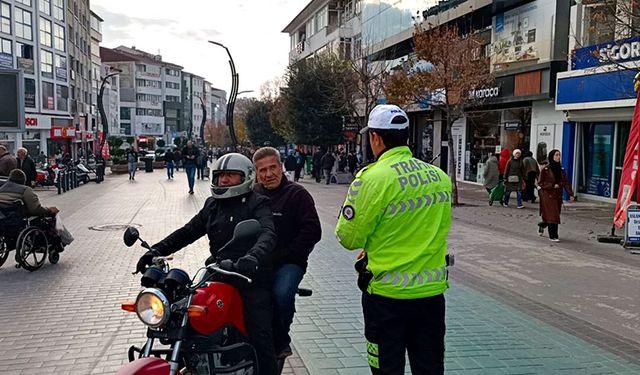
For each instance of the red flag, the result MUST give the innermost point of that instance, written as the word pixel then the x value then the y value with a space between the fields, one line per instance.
pixel 628 180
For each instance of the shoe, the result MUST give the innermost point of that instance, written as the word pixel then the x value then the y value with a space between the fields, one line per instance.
pixel 540 230
pixel 286 352
pixel 520 207
pixel 554 239
pixel 190 191
pixel 503 204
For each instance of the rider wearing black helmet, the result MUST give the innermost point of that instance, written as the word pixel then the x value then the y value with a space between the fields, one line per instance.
pixel 232 201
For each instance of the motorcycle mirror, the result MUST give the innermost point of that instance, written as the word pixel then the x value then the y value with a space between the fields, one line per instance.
pixel 131 235
pixel 246 229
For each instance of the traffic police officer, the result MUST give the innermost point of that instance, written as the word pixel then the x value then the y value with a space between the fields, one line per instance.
pixel 398 211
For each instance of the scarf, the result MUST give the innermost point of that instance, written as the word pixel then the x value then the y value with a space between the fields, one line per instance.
pixel 555 166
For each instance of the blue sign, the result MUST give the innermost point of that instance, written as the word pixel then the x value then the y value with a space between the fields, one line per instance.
pixel 596 87
pixel 499 22
pixel 381 101
pixel 606 53
pixel 6 60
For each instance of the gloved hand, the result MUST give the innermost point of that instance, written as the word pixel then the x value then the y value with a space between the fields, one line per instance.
pixel 227 265
pixel 146 260
pixel 247 265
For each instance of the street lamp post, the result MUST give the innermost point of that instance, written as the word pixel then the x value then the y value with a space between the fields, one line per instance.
pixel 204 118
pixel 105 123
pixel 232 95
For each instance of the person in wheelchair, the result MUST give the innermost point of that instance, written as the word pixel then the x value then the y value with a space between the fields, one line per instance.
pixel 18 202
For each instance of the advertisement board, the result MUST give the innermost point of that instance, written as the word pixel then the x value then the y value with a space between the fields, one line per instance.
pixel 12 99
pixel 523 36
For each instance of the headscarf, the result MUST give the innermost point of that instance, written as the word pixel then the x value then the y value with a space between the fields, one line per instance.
pixel 516 151
pixel 555 166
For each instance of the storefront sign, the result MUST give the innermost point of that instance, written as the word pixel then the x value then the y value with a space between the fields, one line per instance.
pixel 511 126
pixel 62 133
pixel 26 65
pixel 595 88
pixel 6 60
pixel 606 53
pixel 33 121
pixel 484 93
pixel 632 231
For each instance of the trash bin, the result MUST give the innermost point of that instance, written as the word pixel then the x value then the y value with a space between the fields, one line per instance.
pixel 100 172
pixel 148 165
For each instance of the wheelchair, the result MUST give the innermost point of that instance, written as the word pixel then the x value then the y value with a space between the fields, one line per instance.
pixel 33 238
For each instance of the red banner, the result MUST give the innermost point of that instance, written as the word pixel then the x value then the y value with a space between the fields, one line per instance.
pixel 628 180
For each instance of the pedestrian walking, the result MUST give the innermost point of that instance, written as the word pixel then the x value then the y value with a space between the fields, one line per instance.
pixel 553 181
pixel 327 163
pixel 532 171
pixel 177 159
pixel 290 166
pixel 317 164
pixel 28 166
pixel 352 161
pixel 132 162
pixel 505 155
pixel 201 162
pixel 491 174
pixel 169 163
pixel 299 166
pixel 189 156
pixel 402 271
pixel 514 178
pixel 7 162
pixel 298 229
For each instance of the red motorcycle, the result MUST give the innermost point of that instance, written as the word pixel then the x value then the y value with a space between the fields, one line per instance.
pixel 200 323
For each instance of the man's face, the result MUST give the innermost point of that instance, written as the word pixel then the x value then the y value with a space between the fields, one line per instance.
pixel 229 178
pixel 21 154
pixel 269 172
pixel 189 144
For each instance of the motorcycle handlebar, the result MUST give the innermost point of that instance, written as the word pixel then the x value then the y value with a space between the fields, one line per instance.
pixel 214 267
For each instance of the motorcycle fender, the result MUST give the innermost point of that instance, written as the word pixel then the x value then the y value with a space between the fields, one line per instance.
pixel 146 366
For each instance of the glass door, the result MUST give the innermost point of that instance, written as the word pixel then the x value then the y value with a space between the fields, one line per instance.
pixel 596 160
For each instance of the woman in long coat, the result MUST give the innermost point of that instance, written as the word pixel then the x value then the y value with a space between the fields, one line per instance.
pixel 491 174
pixel 513 177
pixel 553 180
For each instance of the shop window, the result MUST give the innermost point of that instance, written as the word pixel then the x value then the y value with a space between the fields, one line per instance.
pixel 596 159
pixel 483 140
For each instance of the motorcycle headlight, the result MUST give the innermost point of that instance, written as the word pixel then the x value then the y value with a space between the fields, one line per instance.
pixel 152 307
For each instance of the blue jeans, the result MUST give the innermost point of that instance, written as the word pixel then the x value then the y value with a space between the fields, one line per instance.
pixel 285 286
pixel 191 172
pixel 132 166
pixel 170 169
pixel 507 195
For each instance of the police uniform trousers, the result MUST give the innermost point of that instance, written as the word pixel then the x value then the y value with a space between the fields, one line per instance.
pixel 396 326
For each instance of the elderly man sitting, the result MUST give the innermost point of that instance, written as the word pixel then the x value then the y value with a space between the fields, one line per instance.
pixel 14 190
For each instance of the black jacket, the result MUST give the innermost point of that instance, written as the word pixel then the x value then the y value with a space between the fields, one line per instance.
pixel 317 160
pixel 290 163
pixel 217 219
pixel 168 156
pixel 297 223
pixel 29 168
pixel 190 155
pixel 328 161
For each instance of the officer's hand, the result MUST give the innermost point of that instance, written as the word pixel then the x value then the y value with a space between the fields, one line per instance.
pixel 227 265
pixel 145 261
pixel 247 265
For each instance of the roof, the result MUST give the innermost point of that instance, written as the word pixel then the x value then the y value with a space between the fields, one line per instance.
pixel 111 55
pixel 96 16
pixel 309 10
pixel 117 54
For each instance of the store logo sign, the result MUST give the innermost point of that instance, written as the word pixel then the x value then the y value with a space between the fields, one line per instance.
pixel 31 121
pixel 490 92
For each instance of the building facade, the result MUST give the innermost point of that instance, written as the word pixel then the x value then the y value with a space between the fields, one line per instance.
pixel 33 39
pixel 111 103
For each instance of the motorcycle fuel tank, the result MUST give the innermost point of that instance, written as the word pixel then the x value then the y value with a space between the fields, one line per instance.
pixel 223 307
pixel 146 366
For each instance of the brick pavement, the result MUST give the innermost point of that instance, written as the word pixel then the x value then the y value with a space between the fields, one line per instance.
pixel 65 319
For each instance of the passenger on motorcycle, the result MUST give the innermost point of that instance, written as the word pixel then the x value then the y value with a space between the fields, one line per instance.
pixel 232 201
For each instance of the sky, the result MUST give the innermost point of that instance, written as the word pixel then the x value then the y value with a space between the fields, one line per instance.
pixel 179 31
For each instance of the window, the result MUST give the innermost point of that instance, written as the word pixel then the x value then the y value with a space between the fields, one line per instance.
pixel 62 98
pixel 71 35
pixel 309 27
pixel 321 19
pixel 172 98
pixel 600 24
pixel 58 10
pixel 125 113
pixel 5 18
pixel 45 7
pixel 61 68
pixel 45 32
pixel 25 2
pixel 141 68
pixel 58 37
pixel 148 112
pixel 5 46
pixel 29 93
pixel 172 72
pixel 47 96
pixel 24 50
pixel 46 63
pixel 172 85
pixel 23 24
pixel 96 24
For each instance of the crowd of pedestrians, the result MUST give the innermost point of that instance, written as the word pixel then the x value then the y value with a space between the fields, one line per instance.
pixel 524 176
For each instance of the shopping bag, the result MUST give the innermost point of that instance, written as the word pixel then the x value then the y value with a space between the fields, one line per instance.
pixel 63 232
pixel 497 193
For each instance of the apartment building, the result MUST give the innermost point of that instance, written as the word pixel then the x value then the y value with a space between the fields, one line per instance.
pixel 33 39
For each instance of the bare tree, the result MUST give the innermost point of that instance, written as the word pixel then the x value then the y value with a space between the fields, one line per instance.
pixel 447 70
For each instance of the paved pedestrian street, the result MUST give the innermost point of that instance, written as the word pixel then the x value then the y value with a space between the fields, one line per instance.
pixel 518 304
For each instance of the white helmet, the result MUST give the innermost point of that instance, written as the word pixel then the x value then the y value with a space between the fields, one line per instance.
pixel 233 162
